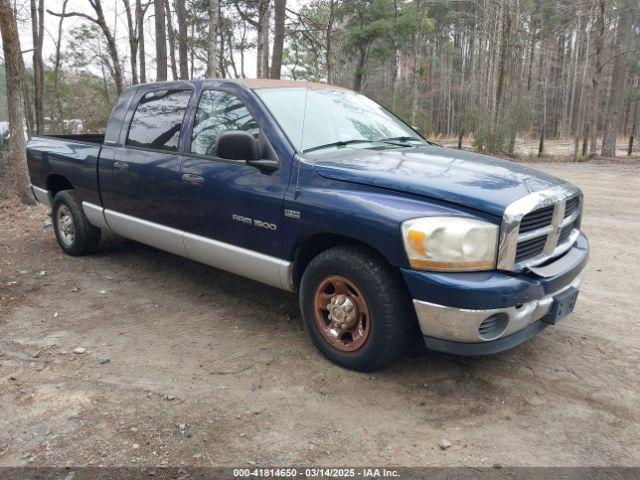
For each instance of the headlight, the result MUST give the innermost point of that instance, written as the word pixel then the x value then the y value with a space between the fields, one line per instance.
pixel 450 243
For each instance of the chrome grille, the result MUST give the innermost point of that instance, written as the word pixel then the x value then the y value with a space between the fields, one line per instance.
pixel 530 248
pixel 537 219
pixel 572 205
pixel 538 227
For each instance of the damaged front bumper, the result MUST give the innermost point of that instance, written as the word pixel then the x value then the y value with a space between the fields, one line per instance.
pixel 489 312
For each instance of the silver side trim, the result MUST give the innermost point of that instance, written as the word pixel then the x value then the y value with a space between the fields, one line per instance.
pixel 254 265
pixel 42 195
pixel 95 215
pixel 510 228
pixel 149 233
pixel 248 263
pixel 461 324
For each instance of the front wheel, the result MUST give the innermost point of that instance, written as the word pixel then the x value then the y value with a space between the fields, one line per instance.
pixel 355 308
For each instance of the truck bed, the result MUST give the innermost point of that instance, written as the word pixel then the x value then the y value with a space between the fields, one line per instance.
pixel 54 158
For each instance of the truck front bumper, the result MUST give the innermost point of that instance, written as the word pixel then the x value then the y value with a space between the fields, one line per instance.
pixel 482 313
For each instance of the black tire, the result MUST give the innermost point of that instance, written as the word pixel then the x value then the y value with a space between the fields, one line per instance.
pixel 391 316
pixel 86 237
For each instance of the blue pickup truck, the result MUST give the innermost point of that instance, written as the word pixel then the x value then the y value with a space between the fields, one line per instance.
pixel 317 189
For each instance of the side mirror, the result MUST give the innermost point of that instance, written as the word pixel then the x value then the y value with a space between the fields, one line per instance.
pixel 237 145
pixel 416 129
pixel 241 145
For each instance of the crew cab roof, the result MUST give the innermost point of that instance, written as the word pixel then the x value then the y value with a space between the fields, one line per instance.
pixel 253 83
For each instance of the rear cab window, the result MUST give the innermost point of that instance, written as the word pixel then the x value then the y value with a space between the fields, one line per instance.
pixel 158 119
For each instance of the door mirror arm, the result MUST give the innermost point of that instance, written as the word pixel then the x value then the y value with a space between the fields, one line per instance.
pixel 264 165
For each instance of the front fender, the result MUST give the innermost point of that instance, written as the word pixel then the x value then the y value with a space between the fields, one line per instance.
pixel 369 215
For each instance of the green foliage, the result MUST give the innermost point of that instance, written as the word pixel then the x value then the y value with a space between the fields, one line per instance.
pixel 368 21
pixel 84 97
pixel 372 25
pixel 500 136
pixel 86 48
pixel 304 55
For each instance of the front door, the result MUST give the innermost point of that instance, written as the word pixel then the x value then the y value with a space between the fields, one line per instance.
pixel 228 201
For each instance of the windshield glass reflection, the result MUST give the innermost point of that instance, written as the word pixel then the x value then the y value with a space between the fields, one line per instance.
pixel 316 119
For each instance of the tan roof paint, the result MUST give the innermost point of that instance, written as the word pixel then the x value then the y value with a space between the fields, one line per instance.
pixel 271 83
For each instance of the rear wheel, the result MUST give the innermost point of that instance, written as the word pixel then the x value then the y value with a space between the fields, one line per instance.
pixel 355 308
pixel 75 235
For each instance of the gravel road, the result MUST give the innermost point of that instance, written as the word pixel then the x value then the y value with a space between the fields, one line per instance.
pixel 137 357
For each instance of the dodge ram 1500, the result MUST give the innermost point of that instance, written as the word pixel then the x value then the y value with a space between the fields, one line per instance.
pixel 317 189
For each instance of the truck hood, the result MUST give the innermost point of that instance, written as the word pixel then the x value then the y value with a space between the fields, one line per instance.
pixel 476 181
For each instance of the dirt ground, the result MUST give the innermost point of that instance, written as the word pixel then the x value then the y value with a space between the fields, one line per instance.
pixel 188 365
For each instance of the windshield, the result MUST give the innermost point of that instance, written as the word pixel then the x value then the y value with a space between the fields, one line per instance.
pixel 335 118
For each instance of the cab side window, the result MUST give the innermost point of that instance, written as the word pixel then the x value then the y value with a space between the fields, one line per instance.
pixel 158 119
pixel 218 112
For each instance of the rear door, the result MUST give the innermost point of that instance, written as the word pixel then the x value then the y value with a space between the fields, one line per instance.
pixel 146 178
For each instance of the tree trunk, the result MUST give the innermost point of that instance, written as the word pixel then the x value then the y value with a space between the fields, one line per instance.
pixel 37 30
pixel 417 58
pixel 133 41
pixel 212 41
pixel 59 116
pixel 262 62
pixel 634 120
pixel 161 41
pixel 26 100
pixel 617 92
pixel 172 41
pixel 547 73
pixel 582 109
pixel 222 66
pixel 111 45
pixel 242 47
pixel 359 74
pixel 192 52
pixel 328 42
pixel 395 71
pixel 14 178
pixel 181 13
pixel 278 37
pixel 232 61
pixel 502 65
pixel 140 30
pixel 598 40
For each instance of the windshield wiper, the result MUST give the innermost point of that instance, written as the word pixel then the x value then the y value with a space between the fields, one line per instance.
pixel 400 139
pixel 341 143
pixel 408 139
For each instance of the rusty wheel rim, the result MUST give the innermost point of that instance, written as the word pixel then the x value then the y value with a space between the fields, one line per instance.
pixel 341 313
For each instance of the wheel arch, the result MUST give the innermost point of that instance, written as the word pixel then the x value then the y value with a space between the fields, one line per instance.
pixel 312 245
pixel 56 183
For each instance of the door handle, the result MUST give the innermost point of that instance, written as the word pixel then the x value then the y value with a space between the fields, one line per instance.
pixel 121 165
pixel 193 179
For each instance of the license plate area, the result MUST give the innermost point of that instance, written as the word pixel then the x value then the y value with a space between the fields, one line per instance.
pixel 563 305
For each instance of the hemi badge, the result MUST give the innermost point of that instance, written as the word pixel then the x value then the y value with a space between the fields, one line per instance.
pixel 292 214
